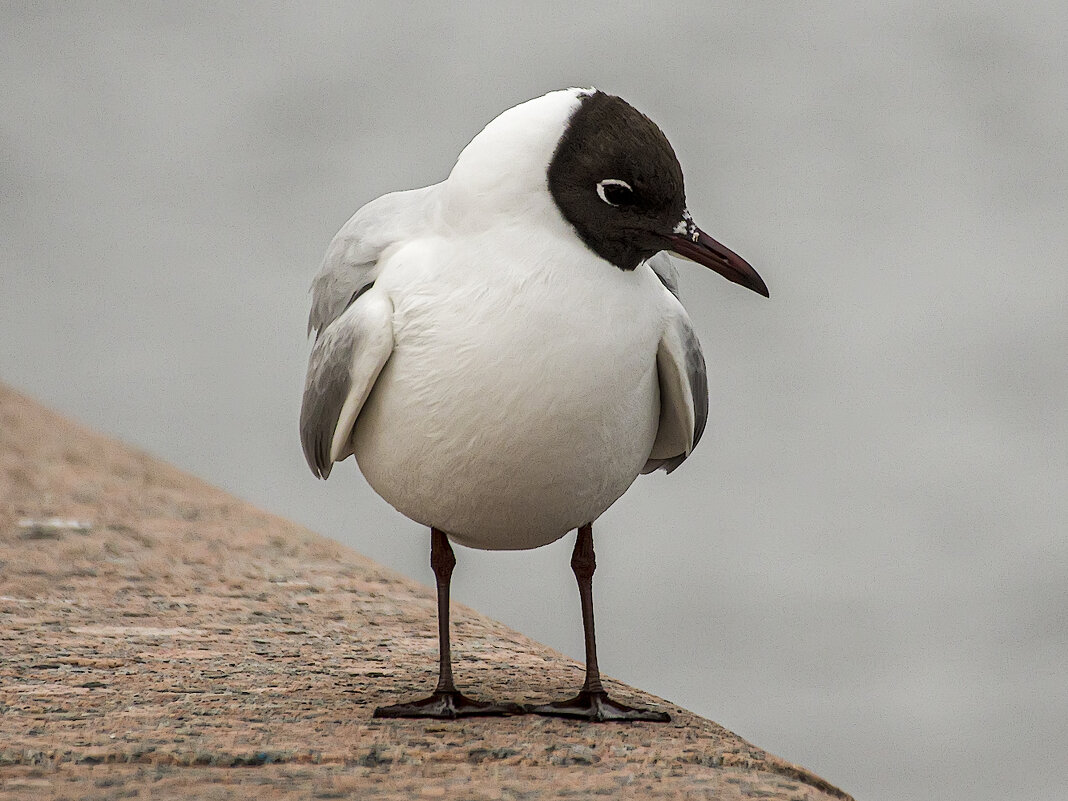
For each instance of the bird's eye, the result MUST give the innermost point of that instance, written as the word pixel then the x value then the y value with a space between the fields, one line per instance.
pixel 615 192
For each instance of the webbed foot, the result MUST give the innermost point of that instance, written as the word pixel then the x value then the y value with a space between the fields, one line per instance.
pixel 598 707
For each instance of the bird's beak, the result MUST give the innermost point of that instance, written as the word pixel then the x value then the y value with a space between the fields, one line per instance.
pixel 690 242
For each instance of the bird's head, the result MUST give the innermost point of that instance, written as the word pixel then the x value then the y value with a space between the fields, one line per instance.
pixel 616 179
pixel 610 173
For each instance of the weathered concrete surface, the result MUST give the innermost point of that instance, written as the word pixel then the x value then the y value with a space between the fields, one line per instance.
pixel 191 646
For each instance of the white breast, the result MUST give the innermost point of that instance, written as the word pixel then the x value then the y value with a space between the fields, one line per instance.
pixel 521 399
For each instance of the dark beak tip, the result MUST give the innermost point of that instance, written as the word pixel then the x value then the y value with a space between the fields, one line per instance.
pixel 748 278
pixel 755 283
pixel 705 250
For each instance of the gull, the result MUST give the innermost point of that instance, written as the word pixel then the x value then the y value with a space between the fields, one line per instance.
pixel 505 352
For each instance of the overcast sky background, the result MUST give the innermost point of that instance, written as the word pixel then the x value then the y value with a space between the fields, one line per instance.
pixel 864 567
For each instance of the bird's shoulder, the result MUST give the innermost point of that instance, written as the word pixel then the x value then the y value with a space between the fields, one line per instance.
pixel 664 268
pixel 351 264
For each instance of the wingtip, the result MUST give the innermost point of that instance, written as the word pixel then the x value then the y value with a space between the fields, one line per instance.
pixel 314 455
pixel 673 464
pixel 319 470
pixel 322 457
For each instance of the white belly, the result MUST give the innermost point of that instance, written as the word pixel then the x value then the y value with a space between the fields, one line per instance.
pixel 508 416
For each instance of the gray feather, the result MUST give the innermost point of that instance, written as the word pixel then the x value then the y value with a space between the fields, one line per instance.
pixel 346 359
pixel 665 270
pixel 351 262
pixel 324 394
pixel 698 378
pixel 692 368
pixel 350 351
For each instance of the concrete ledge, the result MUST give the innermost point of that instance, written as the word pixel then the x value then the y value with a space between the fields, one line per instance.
pixel 184 645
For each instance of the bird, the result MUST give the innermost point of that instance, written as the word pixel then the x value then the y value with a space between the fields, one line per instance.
pixel 505 352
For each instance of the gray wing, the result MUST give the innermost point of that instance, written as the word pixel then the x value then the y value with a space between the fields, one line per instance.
pixel 353 326
pixel 346 359
pixel 665 270
pixel 351 264
pixel 680 368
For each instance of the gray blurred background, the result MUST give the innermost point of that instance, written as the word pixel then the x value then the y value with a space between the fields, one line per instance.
pixel 864 567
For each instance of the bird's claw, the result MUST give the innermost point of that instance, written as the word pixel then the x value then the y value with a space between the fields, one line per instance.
pixel 448 704
pixel 598 707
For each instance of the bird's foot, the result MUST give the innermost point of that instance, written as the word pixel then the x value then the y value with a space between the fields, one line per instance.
pixel 448 704
pixel 597 706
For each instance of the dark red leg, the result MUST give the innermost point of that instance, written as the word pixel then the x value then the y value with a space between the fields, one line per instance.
pixel 446 701
pixel 592 702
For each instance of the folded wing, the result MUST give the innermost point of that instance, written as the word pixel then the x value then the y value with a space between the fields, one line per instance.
pixel 347 358
pixel 352 261
pixel 680 368
pixel 353 324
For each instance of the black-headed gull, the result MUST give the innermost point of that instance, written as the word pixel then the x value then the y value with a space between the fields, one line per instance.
pixel 504 352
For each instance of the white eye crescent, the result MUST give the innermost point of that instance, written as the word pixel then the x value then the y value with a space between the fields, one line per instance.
pixel 613 191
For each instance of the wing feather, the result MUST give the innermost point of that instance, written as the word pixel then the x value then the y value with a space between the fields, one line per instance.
pixel 352 261
pixel 666 271
pixel 683 381
pixel 345 362
pixel 353 326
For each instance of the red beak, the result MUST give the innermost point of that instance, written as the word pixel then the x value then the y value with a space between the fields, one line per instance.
pixel 692 243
